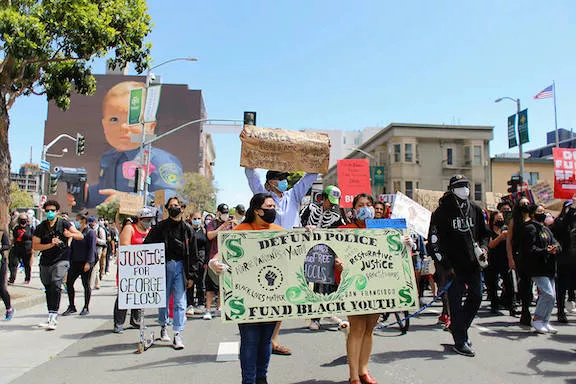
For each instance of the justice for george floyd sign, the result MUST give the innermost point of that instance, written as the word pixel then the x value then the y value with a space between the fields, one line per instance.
pixel 141 276
pixel 271 273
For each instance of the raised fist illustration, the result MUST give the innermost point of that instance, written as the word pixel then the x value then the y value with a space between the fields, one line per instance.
pixel 270 278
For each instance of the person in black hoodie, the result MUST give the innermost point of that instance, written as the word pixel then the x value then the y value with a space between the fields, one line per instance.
pixel 21 249
pixel 182 266
pixel 457 227
pixel 539 252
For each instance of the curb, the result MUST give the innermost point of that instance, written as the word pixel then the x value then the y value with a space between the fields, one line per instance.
pixel 29 301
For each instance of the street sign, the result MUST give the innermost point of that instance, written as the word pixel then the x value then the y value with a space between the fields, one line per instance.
pixel 45 165
pixel 135 107
pixel 152 102
pixel 512 131
pixel 377 175
pixel 523 126
pixel 137 138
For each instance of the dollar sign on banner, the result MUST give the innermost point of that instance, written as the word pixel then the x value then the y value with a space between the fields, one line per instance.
pixel 237 308
pixel 235 250
pixel 405 297
pixel 394 242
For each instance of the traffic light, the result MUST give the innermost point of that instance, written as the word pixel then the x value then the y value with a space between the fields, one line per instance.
pixel 514 182
pixel 249 118
pixel 53 184
pixel 80 144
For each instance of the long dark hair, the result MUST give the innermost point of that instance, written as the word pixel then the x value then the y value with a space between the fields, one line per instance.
pixel 255 203
pixel 359 196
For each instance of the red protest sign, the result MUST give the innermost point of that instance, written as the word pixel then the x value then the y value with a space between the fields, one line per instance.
pixel 564 173
pixel 353 179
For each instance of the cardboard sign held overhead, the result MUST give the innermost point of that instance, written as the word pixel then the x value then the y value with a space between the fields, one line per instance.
pixel 283 150
pixel 130 203
pixel 427 198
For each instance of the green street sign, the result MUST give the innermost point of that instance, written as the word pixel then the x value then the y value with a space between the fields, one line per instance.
pixel 512 131
pixel 377 175
pixel 523 126
pixel 135 107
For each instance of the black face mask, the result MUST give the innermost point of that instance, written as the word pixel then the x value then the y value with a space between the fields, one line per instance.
pixel 524 208
pixel 22 221
pixel 540 217
pixel 174 211
pixel 269 215
pixel 499 223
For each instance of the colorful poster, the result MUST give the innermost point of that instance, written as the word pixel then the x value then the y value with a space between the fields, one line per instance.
pixel 417 217
pixel 267 281
pixel 564 172
pixel 353 179
pixel 141 276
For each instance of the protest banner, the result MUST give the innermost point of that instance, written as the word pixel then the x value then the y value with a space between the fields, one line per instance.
pixel 130 203
pixel 283 150
pixel 428 199
pixel 159 200
pixel 417 217
pixel 492 200
pixel 266 280
pixel 353 179
pixel 141 276
pixel 564 172
pixel 387 198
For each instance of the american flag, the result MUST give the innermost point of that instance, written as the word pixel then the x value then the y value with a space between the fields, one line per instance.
pixel 545 93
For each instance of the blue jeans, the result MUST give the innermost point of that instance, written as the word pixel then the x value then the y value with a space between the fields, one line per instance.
pixel 174 285
pixel 546 298
pixel 255 350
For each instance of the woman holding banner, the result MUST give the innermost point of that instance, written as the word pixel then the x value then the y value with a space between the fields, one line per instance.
pixel 359 342
pixel 255 338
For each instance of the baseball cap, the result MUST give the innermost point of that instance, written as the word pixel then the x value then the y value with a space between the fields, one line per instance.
pixel 275 175
pixel 146 212
pixel 91 219
pixel 458 181
pixel 223 208
pixel 240 209
pixel 333 194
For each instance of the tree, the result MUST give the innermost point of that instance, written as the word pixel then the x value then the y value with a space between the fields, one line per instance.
pixel 19 198
pixel 47 48
pixel 293 178
pixel 108 210
pixel 199 191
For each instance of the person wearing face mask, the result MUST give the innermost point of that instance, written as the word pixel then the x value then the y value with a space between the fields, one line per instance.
pixel 457 227
pixel 82 259
pixel 196 295
pixel 133 232
pixel 182 266
pixel 21 249
pixel 222 222
pixel 498 266
pixel 514 251
pixel 101 245
pixel 564 229
pixel 539 252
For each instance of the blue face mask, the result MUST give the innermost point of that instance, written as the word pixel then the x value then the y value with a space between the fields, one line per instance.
pixel 77 224
pixel 196 222
pixel 365 213
pixel 50 215
pixel 282 185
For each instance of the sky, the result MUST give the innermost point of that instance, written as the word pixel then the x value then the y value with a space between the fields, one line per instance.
pixel 349 65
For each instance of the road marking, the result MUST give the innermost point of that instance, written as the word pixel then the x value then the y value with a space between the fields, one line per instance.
pixel 228 351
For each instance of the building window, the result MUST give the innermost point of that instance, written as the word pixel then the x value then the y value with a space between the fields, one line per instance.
pixel 449 156
pixel 478 192
pixel 397 153
pixel 533 178
pixel 409 189
pixel 356 141
pixel 408 155
pixel 344 140
pixel 382 156
pixel 467 159
pixel 396 186
pixel 477 155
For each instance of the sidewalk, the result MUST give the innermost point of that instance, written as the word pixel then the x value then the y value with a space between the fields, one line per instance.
pixel 25 296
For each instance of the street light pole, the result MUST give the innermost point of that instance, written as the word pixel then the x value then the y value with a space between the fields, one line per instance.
pixel 520 151
pixel 45 153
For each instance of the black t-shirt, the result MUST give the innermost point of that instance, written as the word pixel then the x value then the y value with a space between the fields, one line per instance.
pixel 46 233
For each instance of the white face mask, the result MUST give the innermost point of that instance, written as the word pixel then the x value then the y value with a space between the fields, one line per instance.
pixel 224 216
pixel 462 192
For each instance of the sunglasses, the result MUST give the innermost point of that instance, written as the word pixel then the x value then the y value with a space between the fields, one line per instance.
pixel 49 210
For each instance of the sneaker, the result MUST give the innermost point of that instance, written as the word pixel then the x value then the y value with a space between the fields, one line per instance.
pixel 10 282
pixel 551 329
pixel 217 312
pixel 539 326
pixel 118 329
pixel 164 334
pixel 562 317
pixel 207 316
pixel 26 282
pixel 134 324
pixel 261 380
pixel 571 306
pixel 464 350
pixel 52 323
pixel 314 325
pixel 9 314
pixel 525 320
pixel 84 312
pixel 190 310
pixel 199 310
pixel 97 287
pixel 69 311
pixel 177 343
pixel 443 319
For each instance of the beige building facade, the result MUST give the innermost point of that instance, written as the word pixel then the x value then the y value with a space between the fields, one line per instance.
pixel 535 170
pixel 425 156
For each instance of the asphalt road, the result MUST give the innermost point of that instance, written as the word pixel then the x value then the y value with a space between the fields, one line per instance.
pixel 84 350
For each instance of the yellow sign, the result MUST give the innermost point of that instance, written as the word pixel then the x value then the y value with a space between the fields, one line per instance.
pixel 270 273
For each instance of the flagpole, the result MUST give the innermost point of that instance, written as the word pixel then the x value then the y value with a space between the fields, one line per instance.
pixel 555 114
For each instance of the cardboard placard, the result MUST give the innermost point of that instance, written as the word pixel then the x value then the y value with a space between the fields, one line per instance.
pixel 130 203
pixel 492 200
pixel 283 150
pixel 427 198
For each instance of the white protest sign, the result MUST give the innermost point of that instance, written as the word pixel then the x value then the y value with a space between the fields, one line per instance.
pixel 142 276
pixel 152 103
pixel 417 217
